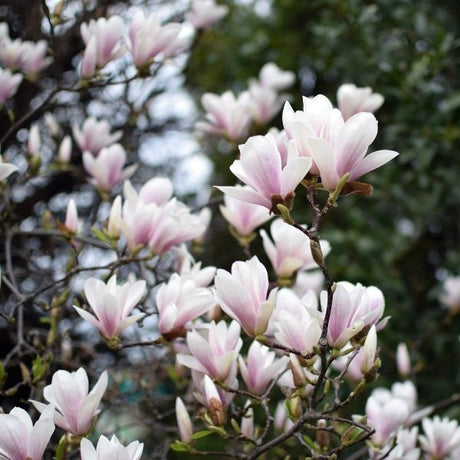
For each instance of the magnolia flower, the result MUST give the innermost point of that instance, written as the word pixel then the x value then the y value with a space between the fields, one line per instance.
pixel 264 102
pixel 72 223
pixel 290 250
pixel 6 169
pixel 214 350
pixel 188 269
pixel 352 100
pixel 11 52
pixel 440 436
pixel 243 295
pixel 19 439
pixel 148 38
pixel 451 293
pixel 107 168
pixel 227 115
pixel 295 323
pixel 9 84
pixel 179 302
pixel 112 304
pixel 353 309
pixel 243 217
pixel 406 442
pixel 385 416
pixel 336 146
pixel 271 76
pixel 260 367
pixel 260 167
pixel 183 421
pixel 94 135
pixel 204 13
pixel 110 450
pixel 247 421
pixel 107 34
pixel 74 406
pixel 34 57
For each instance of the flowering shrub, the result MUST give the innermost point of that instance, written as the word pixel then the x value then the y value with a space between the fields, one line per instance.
pixel 104 276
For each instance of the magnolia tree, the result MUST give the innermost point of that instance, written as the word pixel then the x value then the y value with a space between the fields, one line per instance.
pixel 117 341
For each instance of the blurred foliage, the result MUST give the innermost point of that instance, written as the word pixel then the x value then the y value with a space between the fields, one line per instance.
pixel 405 237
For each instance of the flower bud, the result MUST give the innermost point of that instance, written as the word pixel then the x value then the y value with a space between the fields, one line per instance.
pixel 33 143
pixel 369 351
pixel 65 150
pixel 183 421
pixel 403 360
pixel 72 223
pixel 215 405
pixel 114 221
pixel 247 422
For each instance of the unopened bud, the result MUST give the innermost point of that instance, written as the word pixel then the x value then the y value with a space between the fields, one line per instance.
pixel 403 360
pixel 183 421
pixel 215 405
pixel 114 221
pixel 65 150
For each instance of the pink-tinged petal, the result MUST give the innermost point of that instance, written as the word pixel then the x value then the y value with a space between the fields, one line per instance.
pixel 261 160
pixel 354 139
pixel 122 325
pixel 157 190
pixel 191 362
pixel 12 437
pixel 109 314
pixel 324 157
pixel 247 195
pixel 167 318
pixel 293 173
pixel 372 161
pixel 135 292
pixel 199 348
pixel 39 438
pixel 87 450
pixel 234 300
pixel 87 316
pixel 269 248
pixel 264 312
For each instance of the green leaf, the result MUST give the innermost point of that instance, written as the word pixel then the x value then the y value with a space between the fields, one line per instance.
pixel 201 434
pixel 180 446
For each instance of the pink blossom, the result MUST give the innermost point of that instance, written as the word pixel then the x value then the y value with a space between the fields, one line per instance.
pixel 114 220
pixel 112 305
pixel 385 416
pixel 243 217
pixel 72 223
pixel 19 439
pixel 179 302
pixel 9 84
pixel 94 135
pixel 188 269
pixel 260 367
pixel 107 34
pixel 34 58
pixel 214 402
pixel 290 250
pixel 148 38
pixel 107 168
pixel 264 102
pixel 110 449
pixel 89 60
pixel 336 147
pixel 183 421
pixel 243 295
pixel 440 436
pixel 204 13
pixel 271 76
pixel 353 309
pixel 260 167
pixel 295 323
pixel 227 115
pixel 214 350
pixel 155 220
pixel 11 53
pixel 406 442
pixel 352 100
pixel 74 406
